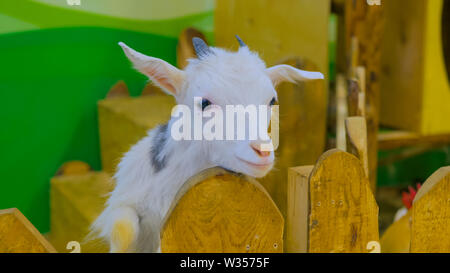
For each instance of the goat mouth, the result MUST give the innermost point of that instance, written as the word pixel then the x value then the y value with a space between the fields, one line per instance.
pixel 256 165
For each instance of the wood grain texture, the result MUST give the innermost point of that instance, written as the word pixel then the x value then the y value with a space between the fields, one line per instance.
pixel 298 209
pixel 343 212
pixel 397 238
pixel 430 232
pixel 218 211
pixel 18 235
pixel 124 121
pixel 367 24
pixel 75 202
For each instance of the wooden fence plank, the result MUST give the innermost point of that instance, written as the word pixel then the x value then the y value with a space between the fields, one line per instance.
pixel 298 209
pixel 218 211
pixel 18 235
pixel 430 232
pixel 343 212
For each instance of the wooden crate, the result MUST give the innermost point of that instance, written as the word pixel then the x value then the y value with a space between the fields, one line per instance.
pixel 218 211
pixel 123 121
pixel 18 235
pixel 76 199
pixel 415 93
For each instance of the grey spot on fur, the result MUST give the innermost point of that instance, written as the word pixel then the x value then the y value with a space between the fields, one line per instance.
pixel 158 143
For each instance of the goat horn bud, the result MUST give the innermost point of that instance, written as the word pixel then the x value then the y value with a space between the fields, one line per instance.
pixel 241 43
pixel 201 48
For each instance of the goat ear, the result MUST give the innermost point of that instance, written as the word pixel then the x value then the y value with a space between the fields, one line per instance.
pixel 281 73
pixel 163 74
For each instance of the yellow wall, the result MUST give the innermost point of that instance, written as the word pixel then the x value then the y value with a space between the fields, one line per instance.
pixel 436 99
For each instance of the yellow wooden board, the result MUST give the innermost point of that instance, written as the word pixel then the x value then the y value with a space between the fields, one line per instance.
pixel 397 238
pixel 75 202
pixel 218 211
pixel 124 121
pixel 297 211
pixel 18 235
pixel 276 29
pixel 342 212
pixel 415 93
pixel 430 232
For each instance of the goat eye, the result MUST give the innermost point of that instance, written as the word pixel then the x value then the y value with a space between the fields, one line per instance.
pixel 205 103
pixel 272 102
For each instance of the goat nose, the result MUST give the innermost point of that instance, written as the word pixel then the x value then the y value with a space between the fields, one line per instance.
pixel 256 146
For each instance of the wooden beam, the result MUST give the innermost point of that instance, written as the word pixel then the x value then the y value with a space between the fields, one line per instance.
pixel 398 139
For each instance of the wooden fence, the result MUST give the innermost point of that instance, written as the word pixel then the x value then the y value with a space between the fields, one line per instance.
pixel 219 211
pixel 425 228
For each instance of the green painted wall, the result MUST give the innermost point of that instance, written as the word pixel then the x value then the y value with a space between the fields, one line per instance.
pixel 56 62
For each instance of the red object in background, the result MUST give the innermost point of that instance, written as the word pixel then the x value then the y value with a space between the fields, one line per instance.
pixel 408 197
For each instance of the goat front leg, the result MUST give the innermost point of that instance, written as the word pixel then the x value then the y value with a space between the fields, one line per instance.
pixel 125 230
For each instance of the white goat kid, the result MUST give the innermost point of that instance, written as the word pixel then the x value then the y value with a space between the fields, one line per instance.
pixel 152 172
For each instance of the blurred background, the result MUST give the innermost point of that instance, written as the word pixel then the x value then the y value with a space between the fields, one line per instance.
pixel 386 61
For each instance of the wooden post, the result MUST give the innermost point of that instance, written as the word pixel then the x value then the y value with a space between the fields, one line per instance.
pixel 342 215
pixel 356 133
pixel 366 23
pixel 298 209
pixel 342 112
pixel 430 232
pixel 218 211
pixel 18 235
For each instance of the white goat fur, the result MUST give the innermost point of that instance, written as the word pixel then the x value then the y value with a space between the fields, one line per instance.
pixel 143 195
